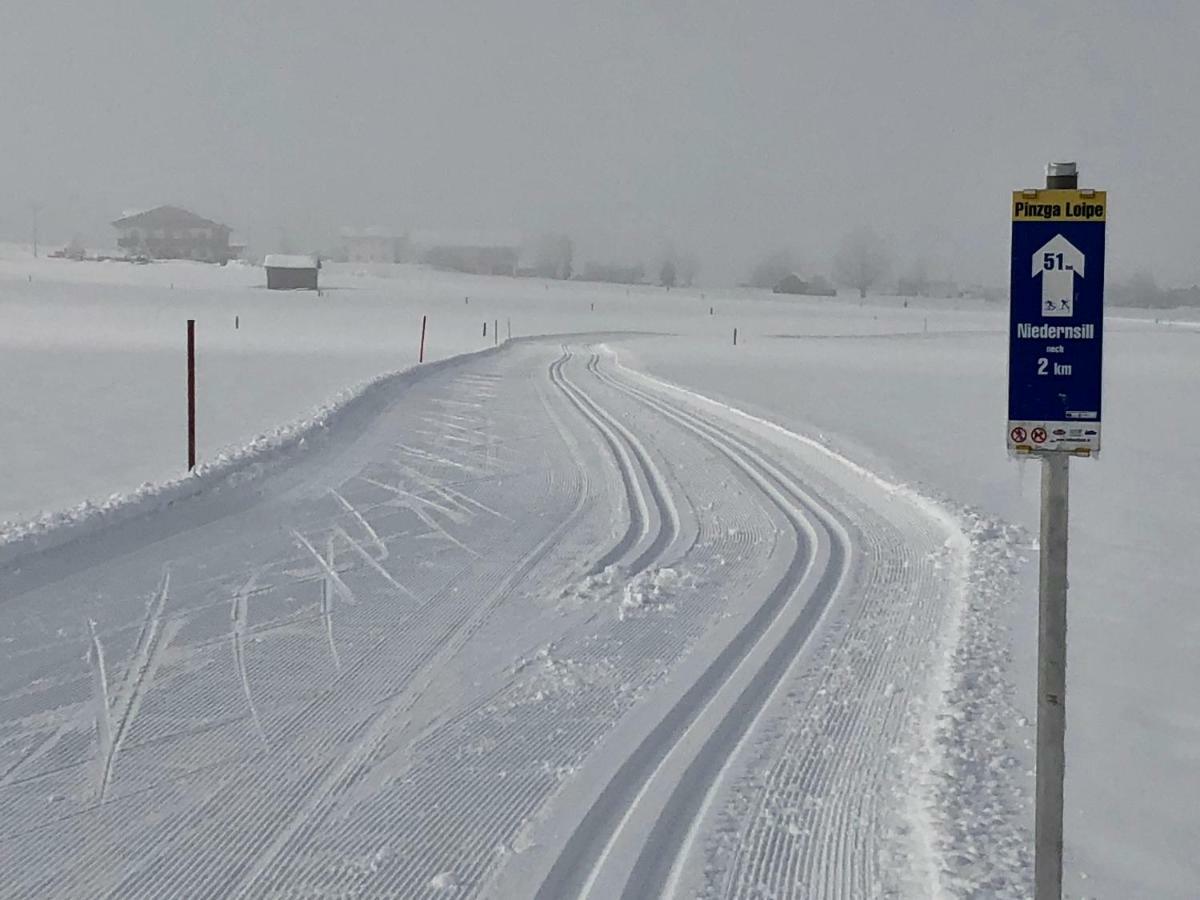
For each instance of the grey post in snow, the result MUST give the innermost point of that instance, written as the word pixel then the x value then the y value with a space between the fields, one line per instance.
pixel 1052 649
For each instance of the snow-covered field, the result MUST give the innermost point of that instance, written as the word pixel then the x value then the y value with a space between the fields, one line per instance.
pixel 605 613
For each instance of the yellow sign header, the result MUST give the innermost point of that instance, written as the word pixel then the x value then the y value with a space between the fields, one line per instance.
pixel 1045 205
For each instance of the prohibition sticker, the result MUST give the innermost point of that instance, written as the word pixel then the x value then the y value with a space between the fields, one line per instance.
pixel 1039 435
pixel 1018 435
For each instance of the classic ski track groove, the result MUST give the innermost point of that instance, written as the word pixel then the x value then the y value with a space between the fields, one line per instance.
pixel 575 871
pixel 629 451
pixel 817 821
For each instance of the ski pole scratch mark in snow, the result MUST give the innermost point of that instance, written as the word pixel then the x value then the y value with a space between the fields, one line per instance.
pixel 138 679
pixel 238 613
pixel 448 493
pixel 331 574
pixel 373 563
pixel 100 683
pixel 327 609
pixel 400 492
pixel 436 436
pixel 13 771
pixel 473 502
pixel 442 460
pixel 433 524
pixel 383 550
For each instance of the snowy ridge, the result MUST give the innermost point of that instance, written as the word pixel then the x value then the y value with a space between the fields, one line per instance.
pixel 230 467
pixel 973 808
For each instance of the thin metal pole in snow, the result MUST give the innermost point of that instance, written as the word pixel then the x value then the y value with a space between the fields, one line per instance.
pixel 496 332
pixel 1052 650
pixel 735 337
pixel 421 353
pixel 1052 677
pixel 509 322
pixel 191 393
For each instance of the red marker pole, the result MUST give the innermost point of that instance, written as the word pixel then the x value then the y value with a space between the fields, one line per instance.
pixel 191 393
pixel 421 354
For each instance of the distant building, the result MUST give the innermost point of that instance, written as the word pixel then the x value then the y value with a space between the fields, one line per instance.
pixel 794 284
pixel 168 232
pixel 291 273
pixel 373 245
pixel 476 253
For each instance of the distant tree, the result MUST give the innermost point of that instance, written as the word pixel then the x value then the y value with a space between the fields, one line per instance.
pixel 689 268
pixel 772 269
pixel 1140 289
pixel 568 255
pixel 861 261
pixel 667 275
pixel 915 282
pixel 553 255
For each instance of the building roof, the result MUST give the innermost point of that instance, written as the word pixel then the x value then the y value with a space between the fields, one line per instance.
pixel 166 217
pixel 289 261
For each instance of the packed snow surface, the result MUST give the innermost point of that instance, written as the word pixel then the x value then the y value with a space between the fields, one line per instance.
pixel 590 613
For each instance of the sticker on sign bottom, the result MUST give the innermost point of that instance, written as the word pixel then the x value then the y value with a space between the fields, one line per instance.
pixel 1048 437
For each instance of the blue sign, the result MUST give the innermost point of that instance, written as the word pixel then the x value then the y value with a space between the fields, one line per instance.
pixel 1056 321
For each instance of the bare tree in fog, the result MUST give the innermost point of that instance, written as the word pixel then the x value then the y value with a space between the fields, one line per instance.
pixel 689 268
pixel 667 275
pixel 773 268
pixel 916 280
pixel 861 261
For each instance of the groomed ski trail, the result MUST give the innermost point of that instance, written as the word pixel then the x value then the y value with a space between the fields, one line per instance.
pixel 537 625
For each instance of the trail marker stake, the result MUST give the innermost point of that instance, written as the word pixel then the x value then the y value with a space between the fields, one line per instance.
pixel 496 332
pixel 1056 324
pixel 421 353
pixel 191 394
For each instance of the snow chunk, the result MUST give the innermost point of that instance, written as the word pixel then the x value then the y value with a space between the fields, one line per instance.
pixel 444 881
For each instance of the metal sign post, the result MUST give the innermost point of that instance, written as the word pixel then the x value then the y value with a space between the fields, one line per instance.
pixel 1056 329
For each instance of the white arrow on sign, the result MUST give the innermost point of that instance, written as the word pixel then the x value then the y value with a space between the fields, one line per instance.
pixel 1058 262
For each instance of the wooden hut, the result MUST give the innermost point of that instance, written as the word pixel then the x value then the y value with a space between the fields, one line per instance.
pixel 291 273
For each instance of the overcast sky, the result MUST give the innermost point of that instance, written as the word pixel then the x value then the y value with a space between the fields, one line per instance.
pixel 729 128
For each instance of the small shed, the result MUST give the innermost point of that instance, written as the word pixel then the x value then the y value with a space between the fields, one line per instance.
pixel 291 273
